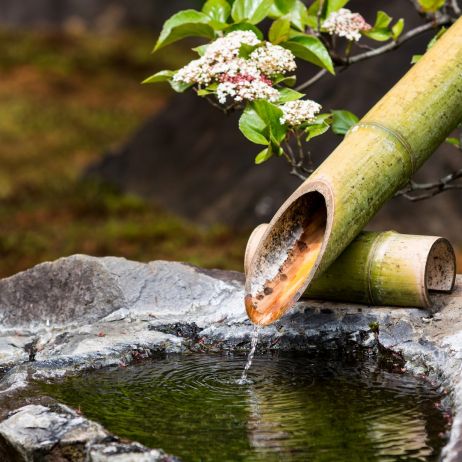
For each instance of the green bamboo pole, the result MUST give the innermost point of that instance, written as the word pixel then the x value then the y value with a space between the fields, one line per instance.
pixel 377 157
pixel 382 268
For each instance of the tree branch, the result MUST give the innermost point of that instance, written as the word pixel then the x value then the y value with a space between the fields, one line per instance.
pixel 441 21
pixel 311 81
pixel 343 63
pixel 456 8
pixel 444 184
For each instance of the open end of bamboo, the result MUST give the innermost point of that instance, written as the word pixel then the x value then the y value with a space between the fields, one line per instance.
pixel 440 270
pixel 285 258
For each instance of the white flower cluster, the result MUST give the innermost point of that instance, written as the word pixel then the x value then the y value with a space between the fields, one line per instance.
pixel 298 112
pixel 346 24
pixel 239 78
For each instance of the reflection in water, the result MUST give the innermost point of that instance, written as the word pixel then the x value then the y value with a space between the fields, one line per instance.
pixel 292 408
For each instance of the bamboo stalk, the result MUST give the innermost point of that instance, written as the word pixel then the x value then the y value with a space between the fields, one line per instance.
pixel 376 158
pixel 382 268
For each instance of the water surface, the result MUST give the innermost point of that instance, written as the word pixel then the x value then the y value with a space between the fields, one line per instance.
pixel 291 408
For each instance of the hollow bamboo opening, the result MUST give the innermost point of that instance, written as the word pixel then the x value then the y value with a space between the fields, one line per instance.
pixel 440 270
pixel 286 257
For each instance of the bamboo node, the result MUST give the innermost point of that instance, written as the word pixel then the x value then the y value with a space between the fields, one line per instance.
pixel 397 136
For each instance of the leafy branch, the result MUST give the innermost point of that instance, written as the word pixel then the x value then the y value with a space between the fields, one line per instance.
pixel 237 69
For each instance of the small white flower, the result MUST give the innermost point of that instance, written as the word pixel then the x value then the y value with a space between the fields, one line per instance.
pixel 298 112
pixel 346 24
pixel 238 78
pixel 273 59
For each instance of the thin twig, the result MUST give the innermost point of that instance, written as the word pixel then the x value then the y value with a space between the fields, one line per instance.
pixel 311 81
pixel 456 8
pixel 437 187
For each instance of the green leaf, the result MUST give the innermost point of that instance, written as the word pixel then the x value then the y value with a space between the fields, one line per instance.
pixel 316 130
pixel 246 50
pixel 310 49
pixel 454 141
pixel 397 29
pixel 210 89
pixel 252 11
pixel 252 126
pixel 287 94
pixel 270 114
pixel 342 121
pixel 245 26
pixel 218 10
pixel 431 6
pixel 380 35
pixel 180 87
pixel 380 31
pixel 382 20
pixel 161 76
pixel 295 10
pixel 438 35
pixel 335 5
pixel 415 59
pixel 200 50
pixel 187 23
pixel 289 80
pixel 279 30
pixel 264 155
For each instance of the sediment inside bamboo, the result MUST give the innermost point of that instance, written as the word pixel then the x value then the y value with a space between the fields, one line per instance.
pixel 293 246
pixel 379 268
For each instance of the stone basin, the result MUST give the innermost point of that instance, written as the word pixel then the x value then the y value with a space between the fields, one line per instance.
pixel 81 312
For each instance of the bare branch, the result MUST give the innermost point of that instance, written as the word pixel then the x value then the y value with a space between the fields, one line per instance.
pixel 456 8
pixel 311 81
pixel 432 189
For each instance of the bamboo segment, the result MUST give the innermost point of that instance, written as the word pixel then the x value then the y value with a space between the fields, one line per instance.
pixel 376 158
pixel 384 268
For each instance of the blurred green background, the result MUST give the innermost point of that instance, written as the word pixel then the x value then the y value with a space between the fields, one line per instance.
pixel 66 96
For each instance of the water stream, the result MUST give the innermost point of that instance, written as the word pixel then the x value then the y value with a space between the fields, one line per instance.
pixel 290 407
pixel 253 347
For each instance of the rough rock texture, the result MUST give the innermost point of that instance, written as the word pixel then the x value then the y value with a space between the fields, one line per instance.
pixel 58 433
pixel 173 307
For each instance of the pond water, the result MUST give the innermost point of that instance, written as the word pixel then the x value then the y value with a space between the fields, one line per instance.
pixel 291 408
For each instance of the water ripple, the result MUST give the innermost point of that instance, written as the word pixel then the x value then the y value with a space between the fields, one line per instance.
pixel 291 408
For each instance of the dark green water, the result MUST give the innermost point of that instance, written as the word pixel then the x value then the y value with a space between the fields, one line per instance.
pixel 292 409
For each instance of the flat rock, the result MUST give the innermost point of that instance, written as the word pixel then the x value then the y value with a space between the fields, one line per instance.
pixel 56 432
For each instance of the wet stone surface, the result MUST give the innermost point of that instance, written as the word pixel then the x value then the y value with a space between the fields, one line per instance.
pixel 80 313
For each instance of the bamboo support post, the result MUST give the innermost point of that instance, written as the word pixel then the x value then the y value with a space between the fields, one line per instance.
pixel 382 268
pixel 376 158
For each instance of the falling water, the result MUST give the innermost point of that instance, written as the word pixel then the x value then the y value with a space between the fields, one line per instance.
pixel 253 347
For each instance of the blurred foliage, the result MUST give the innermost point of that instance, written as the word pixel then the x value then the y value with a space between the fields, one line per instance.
pixel 64 100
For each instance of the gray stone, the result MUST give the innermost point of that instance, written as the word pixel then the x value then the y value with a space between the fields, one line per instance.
pixel 34 430
pixel 137 309
pixel 133 452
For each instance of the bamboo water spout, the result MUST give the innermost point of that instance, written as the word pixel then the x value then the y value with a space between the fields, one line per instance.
pixel 382 268
pixel 376 158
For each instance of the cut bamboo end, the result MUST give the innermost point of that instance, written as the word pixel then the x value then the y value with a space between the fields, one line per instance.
pixel 323 216
pixel 387 268
pixel 289 249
